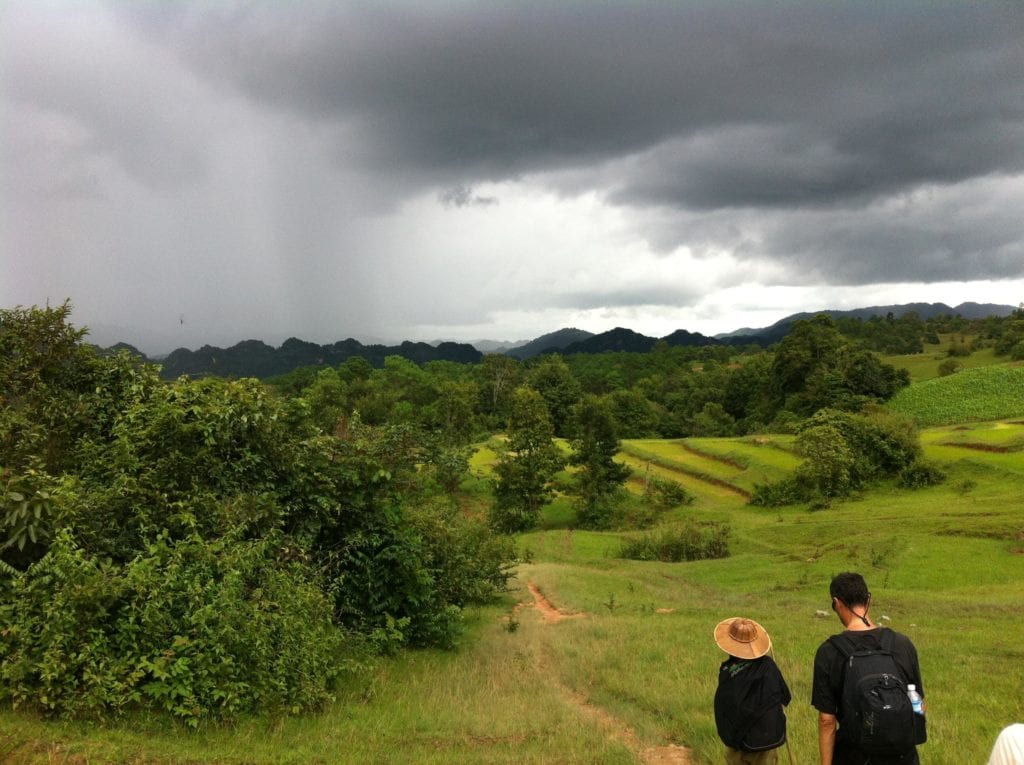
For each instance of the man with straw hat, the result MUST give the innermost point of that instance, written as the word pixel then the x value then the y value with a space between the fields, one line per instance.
pixel 751 695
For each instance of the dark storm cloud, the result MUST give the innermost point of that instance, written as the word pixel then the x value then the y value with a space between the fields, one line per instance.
pixel 463 196
pixel 722 105
pixel 322 169
pixel 85 71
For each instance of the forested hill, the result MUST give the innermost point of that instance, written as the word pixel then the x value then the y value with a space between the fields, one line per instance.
pixel 549 342
pixel 254 358
pixel 778 330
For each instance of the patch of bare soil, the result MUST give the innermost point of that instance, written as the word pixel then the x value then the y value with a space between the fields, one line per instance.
pixel 670 754
pixel 546 609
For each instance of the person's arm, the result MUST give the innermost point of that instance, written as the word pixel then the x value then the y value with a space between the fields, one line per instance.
pixel 826 737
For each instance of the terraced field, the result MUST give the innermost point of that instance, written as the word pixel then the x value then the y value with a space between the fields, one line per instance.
pixel 713 465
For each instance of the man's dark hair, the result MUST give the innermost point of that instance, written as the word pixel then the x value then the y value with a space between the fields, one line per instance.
pixel 850 588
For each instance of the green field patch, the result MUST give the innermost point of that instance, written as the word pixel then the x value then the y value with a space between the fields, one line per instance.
pixel 768 456
pixel 988 393
pixel 988 436
pixel 925 366
pixel 678 456
pixel 704 491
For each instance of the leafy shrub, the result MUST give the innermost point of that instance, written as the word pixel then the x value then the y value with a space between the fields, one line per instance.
pixel 843 452
pixel 26 510
pixel 194 628
pixel 468 563
pixel 920 475
pixel 958 348
pixel 948 367
pixel 666 494
pixel 685 542
pixel 787 491
pixel 201 547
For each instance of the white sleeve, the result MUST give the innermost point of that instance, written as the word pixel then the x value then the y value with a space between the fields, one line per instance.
pixel 1009 748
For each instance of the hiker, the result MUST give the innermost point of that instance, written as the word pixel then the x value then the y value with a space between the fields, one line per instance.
pixel 751 694
pixel 1009 746
pixel 863 674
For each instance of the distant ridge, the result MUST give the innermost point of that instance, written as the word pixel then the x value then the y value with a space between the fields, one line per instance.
pixel 553 341
pixel 254 358
pixel 778 330
pixel 618 339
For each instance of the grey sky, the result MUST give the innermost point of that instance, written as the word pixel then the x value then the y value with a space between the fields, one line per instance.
pixel 194 173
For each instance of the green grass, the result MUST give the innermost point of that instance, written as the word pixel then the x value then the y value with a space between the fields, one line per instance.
pixel 987 393
pixel 925 366
pixel 945 564
pixel 724 462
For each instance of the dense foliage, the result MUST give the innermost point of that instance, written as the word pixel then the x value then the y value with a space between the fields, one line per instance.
pixel 599 478
pixel 843 453
pixel 207 547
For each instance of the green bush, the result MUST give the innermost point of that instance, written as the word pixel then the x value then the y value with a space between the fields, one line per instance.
pixel 920 475
pixel 787 491
pixel 201 547
pixel 666 494
pixel 468 562
pixel 685 542
pixel 843 452
pixel 195 628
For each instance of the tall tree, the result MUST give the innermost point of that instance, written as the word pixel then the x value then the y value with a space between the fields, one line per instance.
pixel 527 466
pixel 554 380
pixel 595 442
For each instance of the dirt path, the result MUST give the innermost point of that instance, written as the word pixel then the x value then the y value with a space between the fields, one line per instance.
pixel 548 611
pixel 670 754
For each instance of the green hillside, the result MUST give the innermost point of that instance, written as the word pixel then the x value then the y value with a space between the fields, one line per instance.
pixel 594 659
pixel 984 393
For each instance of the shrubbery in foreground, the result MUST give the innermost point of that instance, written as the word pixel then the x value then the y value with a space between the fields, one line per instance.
pixel 200 546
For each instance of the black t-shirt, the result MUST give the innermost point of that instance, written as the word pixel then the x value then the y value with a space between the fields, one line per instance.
pixel 827 685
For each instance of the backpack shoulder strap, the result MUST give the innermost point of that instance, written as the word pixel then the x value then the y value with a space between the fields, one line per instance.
pixel 843 644
pixel 886 639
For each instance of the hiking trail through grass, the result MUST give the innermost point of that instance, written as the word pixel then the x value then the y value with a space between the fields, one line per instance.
pixel 671 754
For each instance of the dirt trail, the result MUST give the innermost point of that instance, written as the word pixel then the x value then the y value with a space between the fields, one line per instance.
pixel 548 611
pixel 670 754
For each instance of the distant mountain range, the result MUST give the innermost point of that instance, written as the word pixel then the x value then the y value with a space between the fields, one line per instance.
pixel 781 328
pixel 569 341
pixel 254 358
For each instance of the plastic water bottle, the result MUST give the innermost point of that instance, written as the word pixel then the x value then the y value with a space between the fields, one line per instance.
pixel 915 699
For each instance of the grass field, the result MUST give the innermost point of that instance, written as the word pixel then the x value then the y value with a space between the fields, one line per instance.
pixel 627 670
pixel 925 366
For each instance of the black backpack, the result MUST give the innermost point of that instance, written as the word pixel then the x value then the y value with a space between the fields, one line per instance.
pixel 749 707
pixel 876 714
